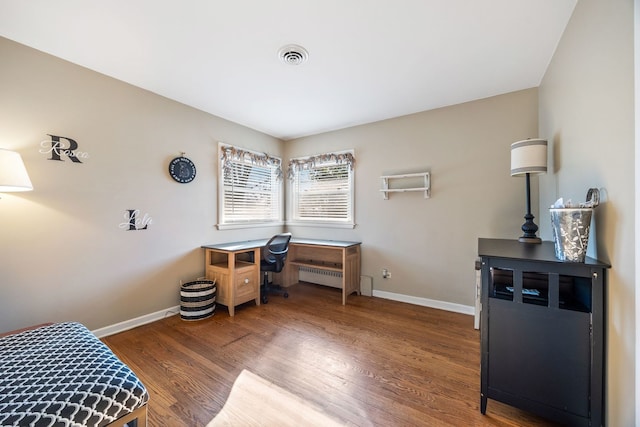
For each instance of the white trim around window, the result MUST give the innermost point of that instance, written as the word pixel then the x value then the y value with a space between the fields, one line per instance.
pixel 249 189
pixel 322 190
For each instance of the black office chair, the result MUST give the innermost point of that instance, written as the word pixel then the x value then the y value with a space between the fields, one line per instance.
pixel 273 256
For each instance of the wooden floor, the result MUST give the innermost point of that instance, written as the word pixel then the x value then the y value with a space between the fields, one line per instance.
pixel 373 362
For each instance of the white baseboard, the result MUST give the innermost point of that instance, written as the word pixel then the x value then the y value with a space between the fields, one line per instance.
pixel 426 302
pixel 152 317
pixel 138 321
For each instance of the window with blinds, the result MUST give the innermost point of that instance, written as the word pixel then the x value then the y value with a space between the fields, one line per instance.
pixel 251 189
pixel 322 191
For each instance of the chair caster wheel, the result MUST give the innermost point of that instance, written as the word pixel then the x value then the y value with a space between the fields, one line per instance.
pixel 265 300
pixel 286 294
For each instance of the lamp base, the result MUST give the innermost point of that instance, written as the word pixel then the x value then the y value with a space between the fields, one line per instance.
pixel 529 240
pixel 529 228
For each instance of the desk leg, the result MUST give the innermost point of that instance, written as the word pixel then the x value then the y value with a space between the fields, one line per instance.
pixel 288 276
pixel 350 272
pixel 231 266
pixel 345 277
pixel 257 256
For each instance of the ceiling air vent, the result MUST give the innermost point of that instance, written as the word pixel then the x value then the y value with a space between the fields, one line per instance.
pixel 293 54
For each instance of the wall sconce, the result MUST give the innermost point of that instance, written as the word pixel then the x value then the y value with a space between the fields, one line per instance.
pixel 529 157
pixel 13 174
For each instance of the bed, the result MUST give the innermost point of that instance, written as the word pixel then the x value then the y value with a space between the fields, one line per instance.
pixel 62 375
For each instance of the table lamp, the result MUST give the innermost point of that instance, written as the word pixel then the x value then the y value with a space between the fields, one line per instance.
pixel 529 157
pixel 13 174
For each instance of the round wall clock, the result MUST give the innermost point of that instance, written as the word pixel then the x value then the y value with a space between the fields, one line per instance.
pixel 182 170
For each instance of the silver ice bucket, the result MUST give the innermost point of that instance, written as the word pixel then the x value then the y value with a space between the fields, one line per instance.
pixel 570 228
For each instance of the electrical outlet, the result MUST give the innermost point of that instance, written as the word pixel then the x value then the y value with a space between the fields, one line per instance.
pixel 386 274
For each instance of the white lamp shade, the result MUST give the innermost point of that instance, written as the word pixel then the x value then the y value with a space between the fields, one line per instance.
pixel 529 156
pixel 13 174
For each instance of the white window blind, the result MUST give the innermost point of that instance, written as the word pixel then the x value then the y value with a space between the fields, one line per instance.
pixel 322 189
pixel 251 188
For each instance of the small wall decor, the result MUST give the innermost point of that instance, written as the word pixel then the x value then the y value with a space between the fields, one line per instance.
pixel 133 222
pixel 58 150
pixel 425 184
pixel 182 169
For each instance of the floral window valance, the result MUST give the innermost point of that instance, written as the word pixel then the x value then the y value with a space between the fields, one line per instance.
pixel 311 162
pixel 234 154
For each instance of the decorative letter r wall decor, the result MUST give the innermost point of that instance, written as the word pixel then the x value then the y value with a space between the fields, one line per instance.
pixel 57 150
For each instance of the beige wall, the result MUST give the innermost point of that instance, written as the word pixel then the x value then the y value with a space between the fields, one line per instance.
pixel 587 113
pixel 63 256
pixel 430 245
pixel 636 73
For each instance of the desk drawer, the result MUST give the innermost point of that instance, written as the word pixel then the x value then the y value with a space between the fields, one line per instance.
pixel 247 286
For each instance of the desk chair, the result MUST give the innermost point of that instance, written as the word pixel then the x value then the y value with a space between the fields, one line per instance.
pixel 273 256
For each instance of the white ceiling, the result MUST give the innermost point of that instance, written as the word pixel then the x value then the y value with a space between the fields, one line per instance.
pixel 369 60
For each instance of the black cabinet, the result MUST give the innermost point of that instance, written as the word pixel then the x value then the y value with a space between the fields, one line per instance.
pixel 542 332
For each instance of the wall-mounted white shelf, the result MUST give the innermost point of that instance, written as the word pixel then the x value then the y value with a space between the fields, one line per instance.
pixel 409 176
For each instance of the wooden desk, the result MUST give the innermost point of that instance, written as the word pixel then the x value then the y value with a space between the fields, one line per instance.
pixel 235 267
pixel 331 255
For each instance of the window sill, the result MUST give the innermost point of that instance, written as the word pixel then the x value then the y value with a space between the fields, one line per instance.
pixel 239 225
pixel 321 224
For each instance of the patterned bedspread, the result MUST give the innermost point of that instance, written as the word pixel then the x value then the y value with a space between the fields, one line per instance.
pixel 62 375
